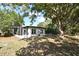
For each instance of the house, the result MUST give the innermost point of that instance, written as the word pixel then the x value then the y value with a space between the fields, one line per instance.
pixel 27 31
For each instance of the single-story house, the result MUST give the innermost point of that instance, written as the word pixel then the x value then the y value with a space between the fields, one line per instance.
pixel 27 31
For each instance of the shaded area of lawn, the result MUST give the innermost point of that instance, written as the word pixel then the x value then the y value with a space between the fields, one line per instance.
pixel 39 46
pixel 54 46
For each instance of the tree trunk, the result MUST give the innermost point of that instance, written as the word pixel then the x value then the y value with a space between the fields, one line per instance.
pixel 60 27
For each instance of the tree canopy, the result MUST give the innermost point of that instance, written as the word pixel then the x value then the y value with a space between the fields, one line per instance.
pixel 64 16
pixel 8 19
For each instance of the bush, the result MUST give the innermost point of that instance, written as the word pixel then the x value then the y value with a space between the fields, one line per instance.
pixel 52 31
pixel 8 33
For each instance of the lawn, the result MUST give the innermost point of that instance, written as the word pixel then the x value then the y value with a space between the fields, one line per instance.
pixel 9 45
pixel 39 46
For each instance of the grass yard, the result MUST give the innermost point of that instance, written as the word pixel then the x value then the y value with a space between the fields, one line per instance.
pixel 9 45
pixel 39 46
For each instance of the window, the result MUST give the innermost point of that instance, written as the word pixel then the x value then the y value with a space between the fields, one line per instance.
pixel 33 31
pixel 18 31
pixel 25 32
pixel 41 31
pixel 15 30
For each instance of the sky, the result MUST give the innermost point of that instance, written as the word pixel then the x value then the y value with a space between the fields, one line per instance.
pixel 38 20
pixel 27 20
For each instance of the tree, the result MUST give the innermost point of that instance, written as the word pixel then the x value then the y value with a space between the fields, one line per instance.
pixel 7 19
pixel 45 23
pixel 60 14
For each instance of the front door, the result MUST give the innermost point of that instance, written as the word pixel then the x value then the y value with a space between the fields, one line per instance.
pixel 25 32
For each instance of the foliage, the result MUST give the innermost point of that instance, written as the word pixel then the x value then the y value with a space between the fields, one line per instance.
pixel 50 28
pixel 65 16
pixel 7 20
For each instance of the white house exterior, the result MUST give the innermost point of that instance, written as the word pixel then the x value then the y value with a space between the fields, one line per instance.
pixel 27 31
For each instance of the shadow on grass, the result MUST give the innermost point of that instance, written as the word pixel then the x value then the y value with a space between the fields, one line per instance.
pixel 42 48
pixel 0 47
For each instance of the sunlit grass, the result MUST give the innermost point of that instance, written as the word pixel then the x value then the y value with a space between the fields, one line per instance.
pixel 10 48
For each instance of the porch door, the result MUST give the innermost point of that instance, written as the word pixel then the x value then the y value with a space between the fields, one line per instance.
pixel 17 31
pixel 25 32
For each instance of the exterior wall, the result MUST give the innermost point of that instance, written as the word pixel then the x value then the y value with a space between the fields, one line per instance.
pixel 43 31
pixel 38 32
pixel 31 32
pixel 22 34
pixel 28 33
pixel 24 31
pixel 20 30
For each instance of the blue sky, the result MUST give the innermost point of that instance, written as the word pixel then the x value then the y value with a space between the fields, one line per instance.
pixel 38 20
pixel 27 20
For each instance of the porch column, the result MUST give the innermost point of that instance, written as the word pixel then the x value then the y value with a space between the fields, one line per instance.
pixel 43 31
pixel 20 30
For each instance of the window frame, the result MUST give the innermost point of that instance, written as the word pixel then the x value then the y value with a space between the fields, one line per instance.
pixel 33 31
